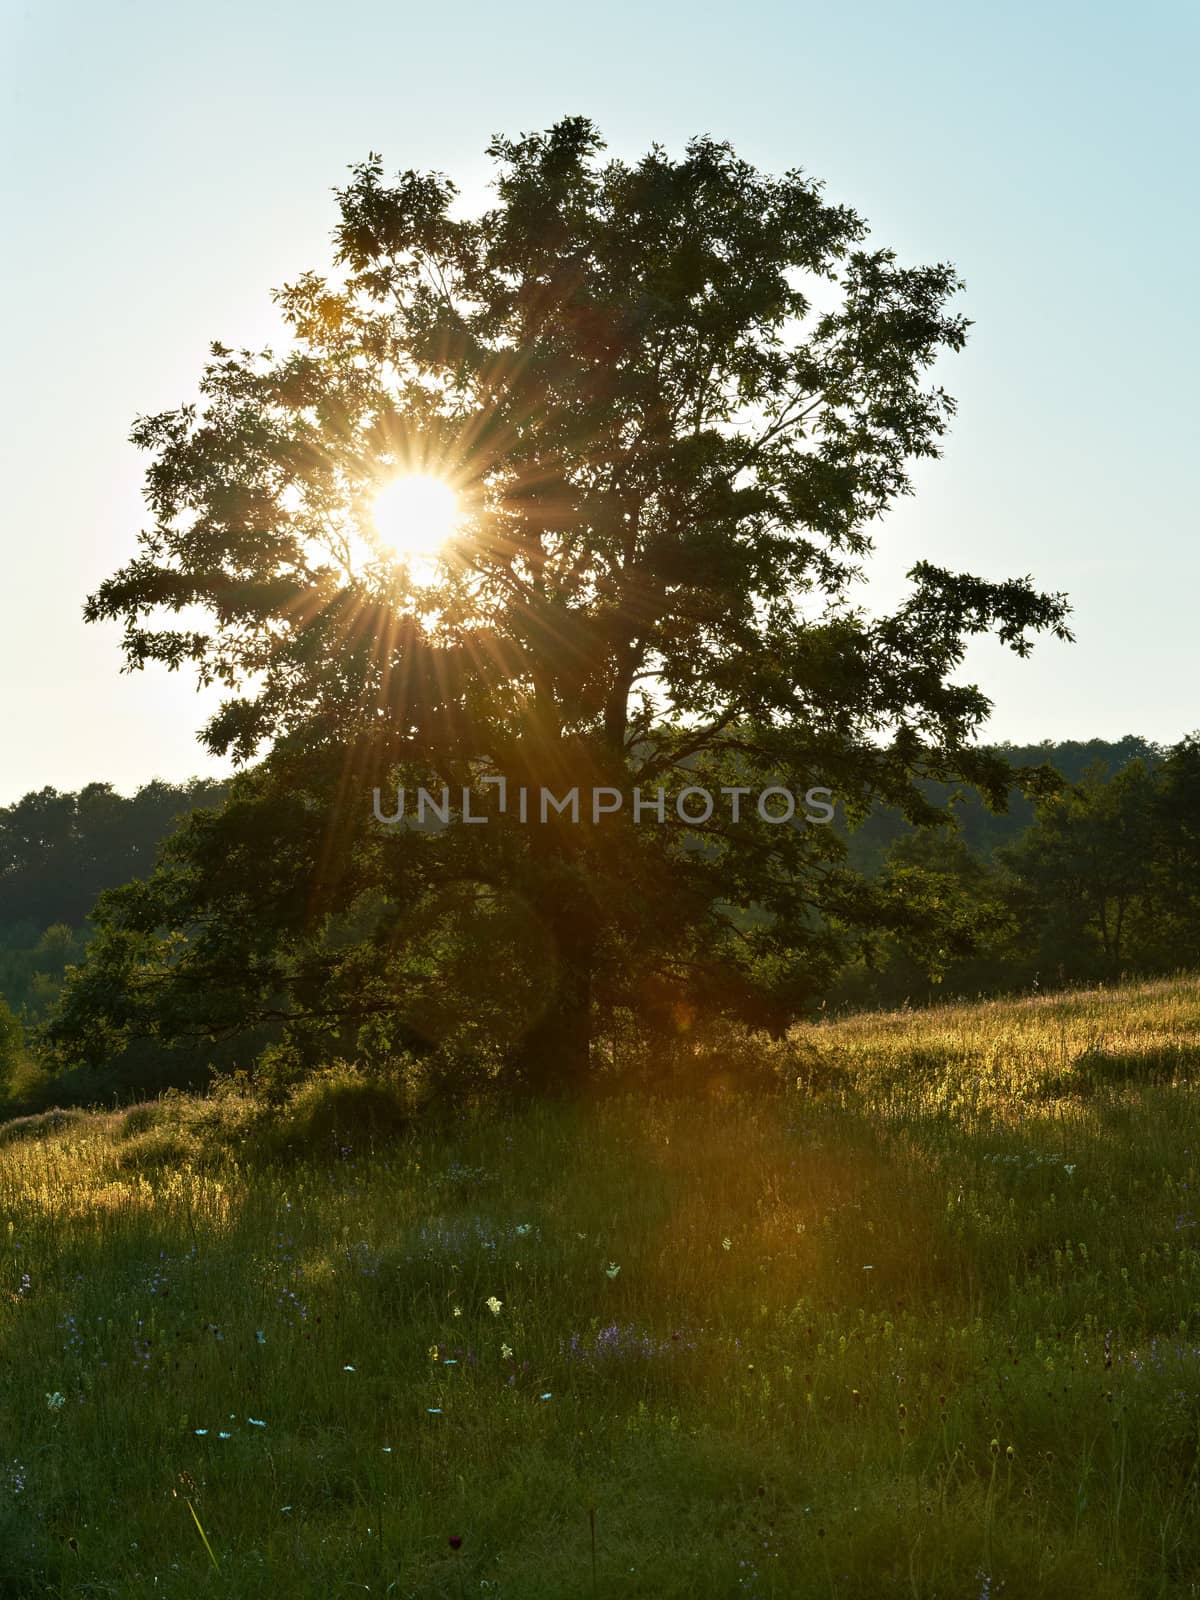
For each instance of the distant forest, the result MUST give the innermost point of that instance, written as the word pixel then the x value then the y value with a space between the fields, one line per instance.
pixel 58 852
pixel 1101 880
pixel 984 831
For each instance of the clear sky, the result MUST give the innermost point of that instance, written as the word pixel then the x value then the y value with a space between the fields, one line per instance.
pixel 166 165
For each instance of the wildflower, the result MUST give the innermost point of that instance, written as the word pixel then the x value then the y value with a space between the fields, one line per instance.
pixel 493 1305
pixel 456 1541
pixel 260 1336
pixel 506 1352
pixel 55 1401
pixel 726 1244
pixel 433 1352
pixel 457 1311
pixel 1068 1169
pixel 612 1269
pixel 616 1343
pixel 523 1228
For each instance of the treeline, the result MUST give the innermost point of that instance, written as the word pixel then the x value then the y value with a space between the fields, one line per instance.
pixel 1098 881
pixel 58 852
pixel 984 830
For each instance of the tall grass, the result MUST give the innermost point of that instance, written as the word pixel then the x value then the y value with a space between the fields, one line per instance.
pixel 931 1328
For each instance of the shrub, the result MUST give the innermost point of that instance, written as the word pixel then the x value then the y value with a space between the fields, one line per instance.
pixel 340 1106
pixel 716 1058
pixel 154 1148
pixel 139 1119
pixel 12 1042
pixel 278 1071
pixel 39 1125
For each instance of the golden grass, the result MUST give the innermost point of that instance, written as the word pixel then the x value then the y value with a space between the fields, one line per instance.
pixel 932 1331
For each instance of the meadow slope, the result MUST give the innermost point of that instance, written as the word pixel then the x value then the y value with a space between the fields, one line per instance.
pixel 924 1321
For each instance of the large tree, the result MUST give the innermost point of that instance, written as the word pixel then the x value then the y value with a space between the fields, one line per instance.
pixel 674 398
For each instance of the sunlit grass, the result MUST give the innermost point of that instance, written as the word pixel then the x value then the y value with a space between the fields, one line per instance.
pixel 932 1329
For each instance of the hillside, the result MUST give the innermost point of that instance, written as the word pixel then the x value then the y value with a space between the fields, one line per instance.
pixel 920 1314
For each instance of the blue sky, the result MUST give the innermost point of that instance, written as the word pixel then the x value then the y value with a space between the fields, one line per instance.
pixel 165 166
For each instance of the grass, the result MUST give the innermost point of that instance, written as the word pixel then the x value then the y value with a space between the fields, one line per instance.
pixel 931 1329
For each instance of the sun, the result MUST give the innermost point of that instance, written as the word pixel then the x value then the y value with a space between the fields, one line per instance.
pixel 415 514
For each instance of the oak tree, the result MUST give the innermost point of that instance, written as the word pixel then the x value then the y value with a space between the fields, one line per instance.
pixel 674 398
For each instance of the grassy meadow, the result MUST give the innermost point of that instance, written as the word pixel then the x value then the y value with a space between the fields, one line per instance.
pixel 917 1313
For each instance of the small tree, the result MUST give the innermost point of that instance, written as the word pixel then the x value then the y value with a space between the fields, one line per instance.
pixel 1175 929
pixel 11 1045
pixel 673 398
pixel 1086 867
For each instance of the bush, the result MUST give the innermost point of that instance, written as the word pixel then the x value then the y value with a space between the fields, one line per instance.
pixel 340 1106
pixel 155 1148
pixel 139 1119
pixel 12 1042
pixel 29 1088
pixel 39 1125
pixel 712 1058
pixel 278 1071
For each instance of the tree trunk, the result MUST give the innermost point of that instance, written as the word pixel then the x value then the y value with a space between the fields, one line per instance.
pixel 555 1056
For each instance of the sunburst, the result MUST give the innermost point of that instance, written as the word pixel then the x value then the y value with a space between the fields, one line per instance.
pixel 415 514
